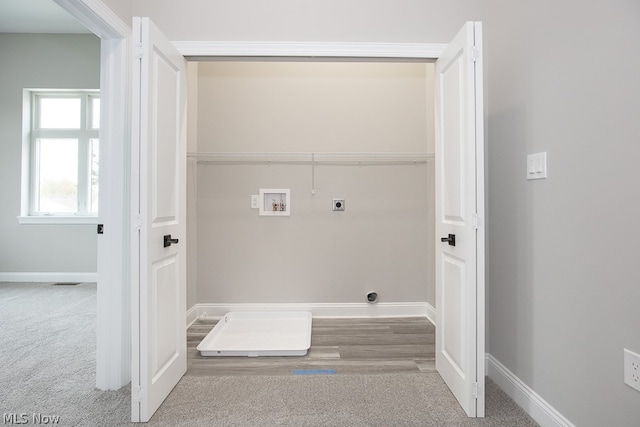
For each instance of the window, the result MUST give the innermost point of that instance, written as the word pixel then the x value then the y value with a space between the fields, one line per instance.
pixel 62 155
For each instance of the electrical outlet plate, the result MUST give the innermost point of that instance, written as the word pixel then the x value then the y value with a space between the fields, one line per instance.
pixel 338 205
pixel 632 369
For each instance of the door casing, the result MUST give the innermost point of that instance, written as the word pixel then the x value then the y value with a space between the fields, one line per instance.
pixel 113 350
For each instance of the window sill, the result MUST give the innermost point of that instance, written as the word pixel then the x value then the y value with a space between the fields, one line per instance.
pixel 54 219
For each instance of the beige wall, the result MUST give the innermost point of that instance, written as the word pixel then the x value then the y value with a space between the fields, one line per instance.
pixel 122 8
pixel 313 106
pixel 384 239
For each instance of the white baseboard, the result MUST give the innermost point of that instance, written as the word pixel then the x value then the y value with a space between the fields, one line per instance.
pixel 431 313
pixel 48 277
pixel 344 310
pixel 192 315
pixel 534 405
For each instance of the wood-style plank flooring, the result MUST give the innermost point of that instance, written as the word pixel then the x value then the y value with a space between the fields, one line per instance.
pixel 349 346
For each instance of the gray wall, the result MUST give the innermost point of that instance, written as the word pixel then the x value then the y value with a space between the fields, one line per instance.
pixel 564 277
pixel 40 61
pixel 384 239
pixel 431 21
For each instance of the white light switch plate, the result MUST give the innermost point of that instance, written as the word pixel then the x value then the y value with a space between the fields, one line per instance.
pixel 255 201
pixel 537 166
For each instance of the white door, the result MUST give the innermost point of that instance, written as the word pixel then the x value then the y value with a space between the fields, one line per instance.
pixel 459 214
pixel 159 342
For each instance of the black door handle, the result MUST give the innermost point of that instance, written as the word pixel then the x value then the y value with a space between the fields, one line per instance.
pixel 451 239
pixel 168 240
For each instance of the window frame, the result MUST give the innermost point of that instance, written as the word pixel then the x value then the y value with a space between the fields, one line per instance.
pixel 32 132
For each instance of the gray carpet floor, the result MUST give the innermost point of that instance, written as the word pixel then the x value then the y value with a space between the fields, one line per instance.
pixel 48 354
pixel 328 400
pixel 47 360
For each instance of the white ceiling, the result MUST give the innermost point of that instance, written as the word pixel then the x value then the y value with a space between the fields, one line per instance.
pixel 37 16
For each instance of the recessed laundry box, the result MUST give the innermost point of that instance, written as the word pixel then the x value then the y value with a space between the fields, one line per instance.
pixel 255 334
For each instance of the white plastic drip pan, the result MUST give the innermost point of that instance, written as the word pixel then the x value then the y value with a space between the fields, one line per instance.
pixel 256 334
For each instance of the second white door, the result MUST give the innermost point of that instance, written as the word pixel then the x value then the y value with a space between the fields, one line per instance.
pixel 159 343
pixel 459 219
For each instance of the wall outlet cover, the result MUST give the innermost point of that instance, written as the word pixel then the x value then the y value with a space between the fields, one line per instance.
pixel 632 369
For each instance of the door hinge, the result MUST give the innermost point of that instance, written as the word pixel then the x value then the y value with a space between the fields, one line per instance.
pixel 474 390
pixel 475 221
pixel 138 51
pixel 137 222
pixel 135 394
pixel 475 54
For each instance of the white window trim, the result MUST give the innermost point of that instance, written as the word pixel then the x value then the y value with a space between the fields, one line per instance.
pixel 29 177
pixel 58 219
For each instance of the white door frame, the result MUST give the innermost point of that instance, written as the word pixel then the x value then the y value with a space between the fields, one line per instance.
pixel 113 351
pixel 206 50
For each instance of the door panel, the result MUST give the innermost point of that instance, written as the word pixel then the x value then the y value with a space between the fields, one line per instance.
pixel 159 170
pixel 453 151
pixel 164 313
pixel 165 105
pixel 453 324
pixel 459 191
